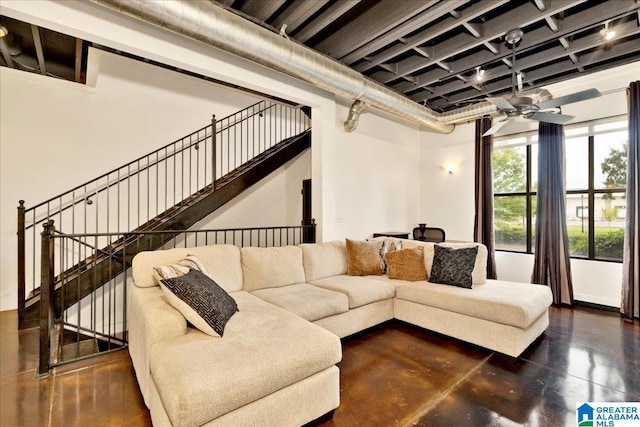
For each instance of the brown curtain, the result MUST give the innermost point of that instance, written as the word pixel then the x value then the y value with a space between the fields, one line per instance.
pixel 630 306
pixel 551 265
pixel 483 223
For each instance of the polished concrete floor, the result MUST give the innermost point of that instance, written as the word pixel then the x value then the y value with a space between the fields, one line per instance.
pixel 392 375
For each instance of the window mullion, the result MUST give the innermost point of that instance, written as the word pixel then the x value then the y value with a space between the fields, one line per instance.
pixel 528 200
pixel 592 210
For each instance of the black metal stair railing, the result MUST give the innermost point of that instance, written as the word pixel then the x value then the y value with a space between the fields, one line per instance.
pixel 97 323
pixel 142 194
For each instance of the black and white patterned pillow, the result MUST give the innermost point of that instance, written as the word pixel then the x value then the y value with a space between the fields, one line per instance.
pixel 201 301
pixel 453 266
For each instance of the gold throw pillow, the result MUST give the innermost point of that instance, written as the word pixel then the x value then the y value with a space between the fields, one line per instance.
pixel 407 264
pixel 363 258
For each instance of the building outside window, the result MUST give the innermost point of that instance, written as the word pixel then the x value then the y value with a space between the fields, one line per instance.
pixel 596 167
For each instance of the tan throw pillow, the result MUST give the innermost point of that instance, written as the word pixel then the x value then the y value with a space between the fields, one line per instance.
pixel 407 264
pixel 363 258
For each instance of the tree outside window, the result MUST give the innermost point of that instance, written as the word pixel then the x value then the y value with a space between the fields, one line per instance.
pixel 595 195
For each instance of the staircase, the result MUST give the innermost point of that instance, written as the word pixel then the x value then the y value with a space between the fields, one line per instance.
pixel 170 189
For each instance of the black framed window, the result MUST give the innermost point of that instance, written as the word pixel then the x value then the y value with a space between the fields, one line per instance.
pixel 595 185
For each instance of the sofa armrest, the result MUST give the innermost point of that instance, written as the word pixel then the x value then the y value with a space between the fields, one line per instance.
pixel 151 319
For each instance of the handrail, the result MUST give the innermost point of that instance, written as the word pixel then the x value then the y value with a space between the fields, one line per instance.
pixel 139 169
pixel 104 315
pixel 131 163
pixel 152 186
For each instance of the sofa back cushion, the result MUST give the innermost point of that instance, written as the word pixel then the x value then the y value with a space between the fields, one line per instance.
pixel 479 273
pixel 271 267
pixel 321 260
pixel 222 262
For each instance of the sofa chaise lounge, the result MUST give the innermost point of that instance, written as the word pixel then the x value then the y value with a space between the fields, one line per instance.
pixel 276 362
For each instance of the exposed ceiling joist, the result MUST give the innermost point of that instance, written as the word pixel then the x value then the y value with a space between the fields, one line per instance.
pixel 37 40
pixel 336 10
pixel 373 23
pixel 297 13
pixel 417 22
pixel 431 33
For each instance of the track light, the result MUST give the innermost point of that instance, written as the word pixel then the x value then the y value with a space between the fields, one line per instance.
pixel 607 33
pixel 479 74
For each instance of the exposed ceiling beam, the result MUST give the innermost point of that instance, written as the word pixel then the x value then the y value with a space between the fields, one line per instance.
pixel 430 33
pixel 492 47
pixel 297 13
pixel 591 62
pixel 593 41
pixel 552 23
pixel 263 9
pixel 78 62
pixel 373 23
pixel 537 37
pixel 37 41
pixel 335 11
pixel 525 14
pixel 402 30
pixel 540 4
pixel 474 29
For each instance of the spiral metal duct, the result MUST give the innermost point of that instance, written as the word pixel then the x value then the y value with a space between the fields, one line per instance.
pixel 211 24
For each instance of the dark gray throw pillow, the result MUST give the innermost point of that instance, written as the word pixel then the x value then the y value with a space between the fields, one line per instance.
pixel 201 301
pixel 453 266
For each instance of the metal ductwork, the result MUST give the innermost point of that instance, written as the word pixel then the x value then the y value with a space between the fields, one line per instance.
pixel 356 109
pixel 215 26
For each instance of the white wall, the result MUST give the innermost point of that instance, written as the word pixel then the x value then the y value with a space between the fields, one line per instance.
pixel 448 200
pixel 273 201
pixel 378 186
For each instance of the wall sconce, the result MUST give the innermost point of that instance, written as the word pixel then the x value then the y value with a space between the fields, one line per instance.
pixel 450 167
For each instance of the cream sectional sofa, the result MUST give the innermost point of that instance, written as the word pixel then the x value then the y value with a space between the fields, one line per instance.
pixel 275 365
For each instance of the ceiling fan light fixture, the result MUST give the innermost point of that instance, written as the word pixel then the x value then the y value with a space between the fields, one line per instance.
pixel 514 36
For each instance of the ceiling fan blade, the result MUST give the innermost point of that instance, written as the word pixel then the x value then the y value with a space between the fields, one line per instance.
pixel 569 99
pixel 495 128
pixel 501 103
pixel 558 119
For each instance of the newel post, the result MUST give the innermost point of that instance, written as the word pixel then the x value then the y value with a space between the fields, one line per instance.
pixel 214 154
pixel 22 260
pixel 47 296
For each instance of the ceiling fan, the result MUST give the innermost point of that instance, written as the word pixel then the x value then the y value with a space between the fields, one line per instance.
pixel 517 106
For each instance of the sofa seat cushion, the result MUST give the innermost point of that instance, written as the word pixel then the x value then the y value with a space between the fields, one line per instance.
pixel 309 302
pixel 264 349
pixel 361 290
pixel 509 303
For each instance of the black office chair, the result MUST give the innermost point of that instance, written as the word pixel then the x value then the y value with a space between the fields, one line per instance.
pixel 430 234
